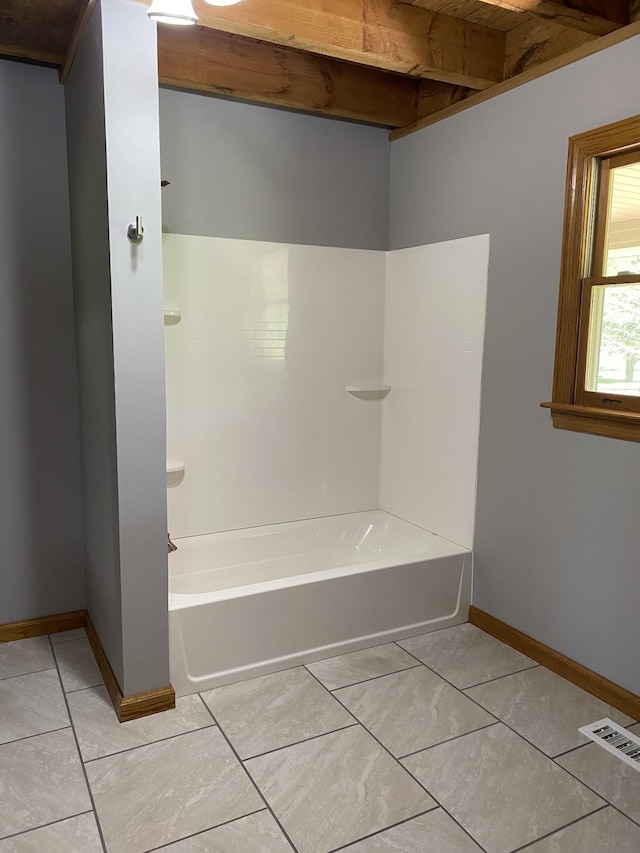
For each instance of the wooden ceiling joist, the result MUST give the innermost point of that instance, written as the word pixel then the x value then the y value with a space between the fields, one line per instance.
pixel 597 17
pixel 203 60
pixel 381 33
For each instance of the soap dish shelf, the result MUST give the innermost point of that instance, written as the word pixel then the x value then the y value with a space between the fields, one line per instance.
pixel 369 392
pixel 172 316
pixel 175 468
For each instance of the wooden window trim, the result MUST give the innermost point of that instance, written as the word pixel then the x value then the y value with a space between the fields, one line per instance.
pixel 585 150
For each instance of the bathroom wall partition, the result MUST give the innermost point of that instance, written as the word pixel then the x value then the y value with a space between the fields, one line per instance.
pixel 262 340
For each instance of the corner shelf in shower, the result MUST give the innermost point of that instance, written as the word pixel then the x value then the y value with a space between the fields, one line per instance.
pixel 175 468
pixel 172 316
pixel 369 392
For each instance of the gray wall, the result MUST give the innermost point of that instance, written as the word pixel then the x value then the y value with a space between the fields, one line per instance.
pixel 94 336
pixel 557 532
pixel 114 170
pixel 40 489
pixel 246 171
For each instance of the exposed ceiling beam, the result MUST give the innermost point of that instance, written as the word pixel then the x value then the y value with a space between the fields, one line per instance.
pixel 76 36
pixel 203 60
pixel 597 17
pixel 434 96
pixel 538 41
pixel 37 30
pixel 379 33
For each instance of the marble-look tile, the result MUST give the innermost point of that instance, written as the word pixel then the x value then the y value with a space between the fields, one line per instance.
pixel 604 830
pixel 465 655
pixel 500 788
pixel 78 667
pixel 168 790
pixel 544 708
pixel 99 732
pixel 63 636
pixel 610 777
pixel 276 710
pixel 258 833
pixel 360 666
pixel 41 780
pixel 74 835
pixel 411 710
pixel 433 832
pixel 336 789
pixel 22 656
pixel 31 705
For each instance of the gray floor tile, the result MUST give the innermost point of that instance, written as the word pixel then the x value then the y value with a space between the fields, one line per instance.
pixel 607 830
pixel 22 656
pixel 433 832
pixel 166 791
pixel 500 788
pixel 412 710
pixel 359 666
pixel 336 789
pixel 41 781
pixel 544 708
pixel 74 835
pixel 465 655
pixel 31 705
pixel 100 733
pixel 275 710
pixel 78 667
pixel 63 636
pixel 610 777
pixel 258 833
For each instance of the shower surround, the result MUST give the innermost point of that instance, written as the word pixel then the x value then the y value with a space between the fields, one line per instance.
pixel 263 434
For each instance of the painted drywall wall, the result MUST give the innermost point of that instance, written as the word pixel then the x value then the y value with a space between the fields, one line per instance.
pixel 435 299
pixel 40 486
pixel 270 336
pixel 557 534
pixel 113 154
pixel 258 173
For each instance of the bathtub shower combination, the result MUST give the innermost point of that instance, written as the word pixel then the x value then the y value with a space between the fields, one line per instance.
pixel 322 420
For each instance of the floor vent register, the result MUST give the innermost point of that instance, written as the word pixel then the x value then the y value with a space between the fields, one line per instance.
pixel 615 739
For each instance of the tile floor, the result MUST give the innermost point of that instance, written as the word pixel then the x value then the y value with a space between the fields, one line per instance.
pixel 450 742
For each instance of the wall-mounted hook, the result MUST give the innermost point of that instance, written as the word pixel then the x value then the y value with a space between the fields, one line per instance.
pixel 135 231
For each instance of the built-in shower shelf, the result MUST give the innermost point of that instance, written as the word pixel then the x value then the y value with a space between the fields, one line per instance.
pixel 369 392
pixel 175 467
pixel 172 316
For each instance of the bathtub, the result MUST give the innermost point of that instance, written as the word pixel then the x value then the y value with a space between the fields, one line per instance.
pixel 250 602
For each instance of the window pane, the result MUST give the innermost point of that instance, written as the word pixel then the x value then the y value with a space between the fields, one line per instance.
pixel 613 363
pixel 622 242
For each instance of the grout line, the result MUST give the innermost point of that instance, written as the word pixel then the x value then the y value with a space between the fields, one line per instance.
pixel 573 749
pixel 298 742
pixel 448 740
pixel 42 826
pixel 37 734
pixel 372 678
pixel 66 639
pixel 562 828
pixel 86 687
pixel 417 781
pixel 23 674
pixel 250 777
pixel 506 675
pixel 380 831
pixel 203 831
pixel 82 764
pixel 147 743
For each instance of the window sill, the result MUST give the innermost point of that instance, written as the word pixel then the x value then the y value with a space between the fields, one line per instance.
pixel 604 422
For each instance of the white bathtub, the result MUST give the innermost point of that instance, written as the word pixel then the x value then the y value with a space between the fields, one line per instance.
pixel 250 602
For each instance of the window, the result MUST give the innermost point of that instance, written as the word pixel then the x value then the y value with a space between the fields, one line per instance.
pixel 596 385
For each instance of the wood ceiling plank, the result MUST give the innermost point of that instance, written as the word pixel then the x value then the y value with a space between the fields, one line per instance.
pixel 597 17
pixel 38 30
pixel 474 11
pixel 538 41
pixel 379 33
pixel 200 59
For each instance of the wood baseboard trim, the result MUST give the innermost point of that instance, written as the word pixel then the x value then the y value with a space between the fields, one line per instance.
pixel 614 695
pixel 44 625
pixel 136 705
pixel 126 707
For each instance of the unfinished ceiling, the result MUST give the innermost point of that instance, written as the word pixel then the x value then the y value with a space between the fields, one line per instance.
pixel 398 63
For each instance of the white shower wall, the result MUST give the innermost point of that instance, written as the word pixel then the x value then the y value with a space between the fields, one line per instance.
pixel 269 337
pixel 434 334
pixel 257 411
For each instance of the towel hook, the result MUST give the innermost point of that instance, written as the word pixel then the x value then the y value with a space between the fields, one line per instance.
pixel 135 231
